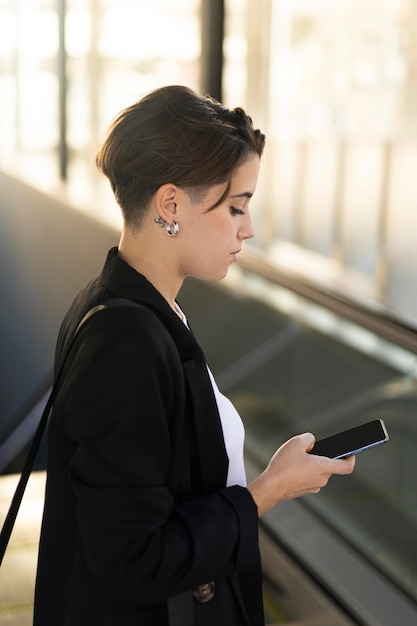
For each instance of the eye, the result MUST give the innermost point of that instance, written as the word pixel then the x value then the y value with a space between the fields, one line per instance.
pixel 235 211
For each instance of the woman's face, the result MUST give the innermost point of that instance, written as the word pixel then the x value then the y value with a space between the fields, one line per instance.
pixel 211 239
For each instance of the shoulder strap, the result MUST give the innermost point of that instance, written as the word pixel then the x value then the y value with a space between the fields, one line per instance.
pixel 37 438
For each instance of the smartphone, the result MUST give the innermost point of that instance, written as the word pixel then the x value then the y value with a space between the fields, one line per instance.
pixel 352 441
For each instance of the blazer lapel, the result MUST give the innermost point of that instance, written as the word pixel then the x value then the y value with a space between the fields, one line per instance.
pixel 208 430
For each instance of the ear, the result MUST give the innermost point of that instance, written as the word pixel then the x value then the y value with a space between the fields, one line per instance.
pixel 166 200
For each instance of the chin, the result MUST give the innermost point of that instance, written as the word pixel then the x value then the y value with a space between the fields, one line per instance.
pixel 212 277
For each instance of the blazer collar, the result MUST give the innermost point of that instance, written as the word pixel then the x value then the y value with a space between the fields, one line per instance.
pixel 126 282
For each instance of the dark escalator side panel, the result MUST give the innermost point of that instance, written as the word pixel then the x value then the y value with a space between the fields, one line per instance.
pixel 47 252
pixel 357 538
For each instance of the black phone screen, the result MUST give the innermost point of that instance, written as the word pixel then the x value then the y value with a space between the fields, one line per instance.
pixel 352 441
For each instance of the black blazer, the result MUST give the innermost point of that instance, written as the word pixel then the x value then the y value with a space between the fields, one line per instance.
pixel 136 508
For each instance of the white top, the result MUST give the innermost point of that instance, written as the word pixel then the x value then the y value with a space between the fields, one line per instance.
pixel 234 436
pixel 233 431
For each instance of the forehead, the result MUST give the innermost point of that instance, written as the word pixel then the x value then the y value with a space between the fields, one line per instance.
pixel 245 178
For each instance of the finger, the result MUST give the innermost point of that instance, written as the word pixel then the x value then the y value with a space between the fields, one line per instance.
pixel 345 466
pixel 308 440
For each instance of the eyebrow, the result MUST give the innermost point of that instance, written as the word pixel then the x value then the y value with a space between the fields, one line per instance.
pixel 245 194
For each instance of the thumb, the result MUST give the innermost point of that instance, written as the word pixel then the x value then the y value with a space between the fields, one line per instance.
pixel 308 440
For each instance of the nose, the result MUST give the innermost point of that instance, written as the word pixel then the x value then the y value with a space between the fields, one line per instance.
pixel 247 230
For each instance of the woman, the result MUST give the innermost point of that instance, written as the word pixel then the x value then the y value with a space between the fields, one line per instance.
pixel 148 519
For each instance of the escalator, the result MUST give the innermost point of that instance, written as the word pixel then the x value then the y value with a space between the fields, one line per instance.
pixel 290 365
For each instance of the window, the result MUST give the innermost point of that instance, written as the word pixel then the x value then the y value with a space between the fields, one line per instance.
pixel 333 86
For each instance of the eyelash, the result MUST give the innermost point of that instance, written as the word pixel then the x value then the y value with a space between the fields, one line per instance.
pixel 235 211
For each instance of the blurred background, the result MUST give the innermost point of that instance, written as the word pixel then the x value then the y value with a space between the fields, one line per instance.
pixel 316 327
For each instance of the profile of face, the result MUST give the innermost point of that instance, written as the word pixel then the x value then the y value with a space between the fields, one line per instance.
pixel 211 238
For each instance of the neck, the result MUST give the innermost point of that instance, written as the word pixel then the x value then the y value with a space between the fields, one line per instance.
pixel 149 258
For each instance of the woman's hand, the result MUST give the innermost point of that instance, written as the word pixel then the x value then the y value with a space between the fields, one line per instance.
pixel 292 473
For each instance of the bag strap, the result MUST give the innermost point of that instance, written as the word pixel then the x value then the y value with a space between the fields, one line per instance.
pixel 37 438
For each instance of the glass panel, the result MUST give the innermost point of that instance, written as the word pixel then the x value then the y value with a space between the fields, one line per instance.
pixel 381 496
pixel 120 49
pixel 28 83
pixel 316 372
pixel 339 111
pixel 360 206
pixel 401 240
pixel 116 51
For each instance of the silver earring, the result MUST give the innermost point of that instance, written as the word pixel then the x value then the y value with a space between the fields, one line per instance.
pixel 170 232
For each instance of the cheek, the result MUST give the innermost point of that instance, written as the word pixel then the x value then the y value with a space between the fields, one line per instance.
pixel 221 227
pixel 209 238
pixel 208 259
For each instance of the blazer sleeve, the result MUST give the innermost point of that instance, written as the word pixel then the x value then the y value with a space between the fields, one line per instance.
pixel 123 391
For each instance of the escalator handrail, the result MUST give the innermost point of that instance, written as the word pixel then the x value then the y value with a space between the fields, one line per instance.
pixel 376 321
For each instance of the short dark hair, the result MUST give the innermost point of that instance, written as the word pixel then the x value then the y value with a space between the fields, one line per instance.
pixel 174 135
